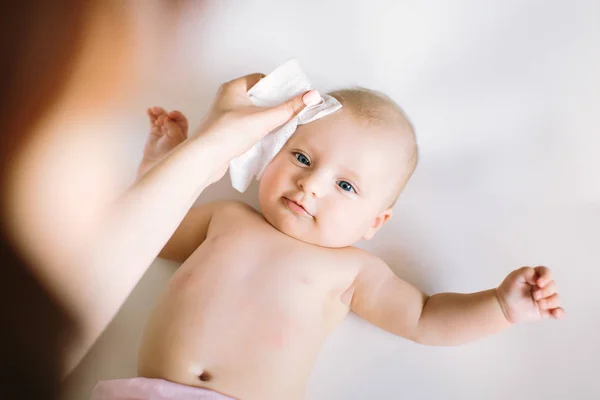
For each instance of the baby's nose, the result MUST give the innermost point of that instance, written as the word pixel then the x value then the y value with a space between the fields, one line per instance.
pixel 311 185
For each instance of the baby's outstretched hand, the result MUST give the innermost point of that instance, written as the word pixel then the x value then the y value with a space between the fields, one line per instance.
pixel 529 294
pixel 167 131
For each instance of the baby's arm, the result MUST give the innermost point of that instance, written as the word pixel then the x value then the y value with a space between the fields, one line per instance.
pixel 450 318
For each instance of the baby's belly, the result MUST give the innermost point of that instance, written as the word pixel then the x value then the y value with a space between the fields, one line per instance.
pixel 247 333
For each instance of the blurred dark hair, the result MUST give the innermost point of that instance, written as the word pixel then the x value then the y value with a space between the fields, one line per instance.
pixel 39 41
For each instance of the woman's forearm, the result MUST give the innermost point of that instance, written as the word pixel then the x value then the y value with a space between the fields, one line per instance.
pixel 133 232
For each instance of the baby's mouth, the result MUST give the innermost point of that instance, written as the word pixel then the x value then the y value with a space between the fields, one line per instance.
pixel 296 208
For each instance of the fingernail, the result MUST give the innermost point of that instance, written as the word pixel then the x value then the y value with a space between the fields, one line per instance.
pixel 311 98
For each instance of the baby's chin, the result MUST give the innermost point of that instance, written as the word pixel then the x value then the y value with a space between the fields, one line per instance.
pixel 297 229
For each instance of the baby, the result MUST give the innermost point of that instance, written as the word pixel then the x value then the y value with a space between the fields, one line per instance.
pixel 257 294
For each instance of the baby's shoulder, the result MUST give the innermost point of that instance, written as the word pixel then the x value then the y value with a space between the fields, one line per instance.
pixel 228 209
pixel 362 258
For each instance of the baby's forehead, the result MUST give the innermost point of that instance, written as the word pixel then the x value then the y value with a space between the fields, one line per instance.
pixel 339 125
pixel 343 129
pixel 353 142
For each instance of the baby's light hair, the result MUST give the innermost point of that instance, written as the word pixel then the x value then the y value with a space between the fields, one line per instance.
pixel 376 107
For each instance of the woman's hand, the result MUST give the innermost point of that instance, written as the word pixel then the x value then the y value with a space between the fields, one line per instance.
pixel 236 124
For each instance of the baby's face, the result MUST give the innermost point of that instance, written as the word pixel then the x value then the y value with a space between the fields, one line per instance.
pixel 333 182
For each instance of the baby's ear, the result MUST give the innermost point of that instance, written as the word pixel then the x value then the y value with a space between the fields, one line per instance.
pixel 378 222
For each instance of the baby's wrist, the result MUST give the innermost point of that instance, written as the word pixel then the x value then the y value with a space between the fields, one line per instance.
pixel 502 305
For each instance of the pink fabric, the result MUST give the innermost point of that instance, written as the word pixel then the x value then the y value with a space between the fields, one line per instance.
pixel 151 389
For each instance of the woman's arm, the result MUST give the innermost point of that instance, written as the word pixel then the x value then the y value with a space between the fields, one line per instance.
pixel 133 232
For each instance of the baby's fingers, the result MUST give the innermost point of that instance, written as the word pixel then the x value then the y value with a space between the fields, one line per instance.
pixel 544 276
pixel 176 116
pixel 523 275
pixel 546 291
pixel 180 120
pixel 558 313
pixel 173 130
pixel 161 119
pixel 154 113
pixel 550 302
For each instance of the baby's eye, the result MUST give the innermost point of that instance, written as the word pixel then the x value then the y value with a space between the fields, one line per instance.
pixel 302 159
pixel 346 186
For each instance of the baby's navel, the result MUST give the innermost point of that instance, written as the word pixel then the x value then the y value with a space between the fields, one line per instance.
pixel 200 372
pixel 205 376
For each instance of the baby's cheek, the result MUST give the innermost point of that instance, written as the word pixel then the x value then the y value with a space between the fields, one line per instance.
pixel 268 183
pixel 362 220
pixel 273 174
pixel 341 226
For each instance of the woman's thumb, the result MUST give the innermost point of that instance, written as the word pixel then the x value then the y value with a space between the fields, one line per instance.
pixel 279 115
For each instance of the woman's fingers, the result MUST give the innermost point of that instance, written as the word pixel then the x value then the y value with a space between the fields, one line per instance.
pixel 279 115
pixel 252 79
pixel 240 85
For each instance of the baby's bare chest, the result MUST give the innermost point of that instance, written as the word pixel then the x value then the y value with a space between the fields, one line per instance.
pixel 250 255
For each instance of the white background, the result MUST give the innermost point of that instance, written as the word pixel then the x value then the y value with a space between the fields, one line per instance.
pixel 505 97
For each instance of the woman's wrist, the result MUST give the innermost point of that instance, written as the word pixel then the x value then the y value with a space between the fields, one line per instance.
pixel 214 151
